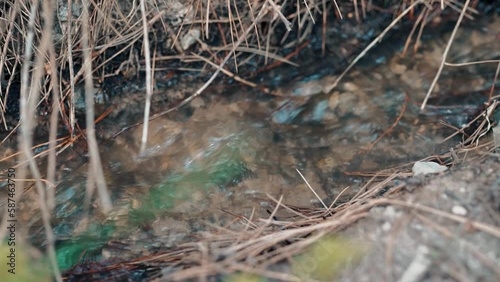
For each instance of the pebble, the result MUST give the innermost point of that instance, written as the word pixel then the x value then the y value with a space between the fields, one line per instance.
pixel 190 38
pixel 459 210
pixel 198 103
pixel 397 68
pixel 387 226
pixel 351 87
pixel 427 168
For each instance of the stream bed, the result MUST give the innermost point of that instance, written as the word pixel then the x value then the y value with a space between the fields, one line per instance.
pixel 228 151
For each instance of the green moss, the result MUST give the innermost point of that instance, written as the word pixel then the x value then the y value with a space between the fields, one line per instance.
pixel 244 277
pixel 326 258
pixel 69 253
pixel 218 168
pixel 20 267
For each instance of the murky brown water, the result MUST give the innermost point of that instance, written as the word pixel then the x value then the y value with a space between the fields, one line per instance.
pixel 229 151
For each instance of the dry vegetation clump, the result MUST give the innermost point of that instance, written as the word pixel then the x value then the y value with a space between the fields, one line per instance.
pixel 181 36
pixel 55 53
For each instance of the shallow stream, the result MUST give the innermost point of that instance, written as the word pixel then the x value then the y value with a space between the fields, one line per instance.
pixel 229 151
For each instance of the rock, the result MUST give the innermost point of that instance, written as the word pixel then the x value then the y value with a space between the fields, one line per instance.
pixel 191 37
pixel 418 267
pixel 396 67
pixel 198 102
pixel 496 135
pixel 427 168
pixel 459 210
pixel 351 87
